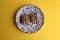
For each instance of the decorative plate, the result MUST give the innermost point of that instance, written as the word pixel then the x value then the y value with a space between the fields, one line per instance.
pixel 29 18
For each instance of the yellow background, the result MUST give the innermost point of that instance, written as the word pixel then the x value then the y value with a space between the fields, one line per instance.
pixel 50 29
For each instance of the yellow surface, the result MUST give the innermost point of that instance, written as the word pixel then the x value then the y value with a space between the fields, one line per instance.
pixel 50 29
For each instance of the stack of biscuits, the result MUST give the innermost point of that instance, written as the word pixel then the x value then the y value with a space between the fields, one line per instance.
pixel 32 18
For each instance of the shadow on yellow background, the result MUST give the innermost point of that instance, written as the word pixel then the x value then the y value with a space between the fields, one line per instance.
pixel 50 29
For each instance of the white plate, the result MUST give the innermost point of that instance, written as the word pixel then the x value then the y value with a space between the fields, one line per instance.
pixel 28 9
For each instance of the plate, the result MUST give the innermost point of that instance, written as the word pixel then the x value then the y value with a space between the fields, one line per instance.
pixel 29 18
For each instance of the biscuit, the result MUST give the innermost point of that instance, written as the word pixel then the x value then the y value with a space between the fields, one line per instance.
pixel 25 19
pixel 34 18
